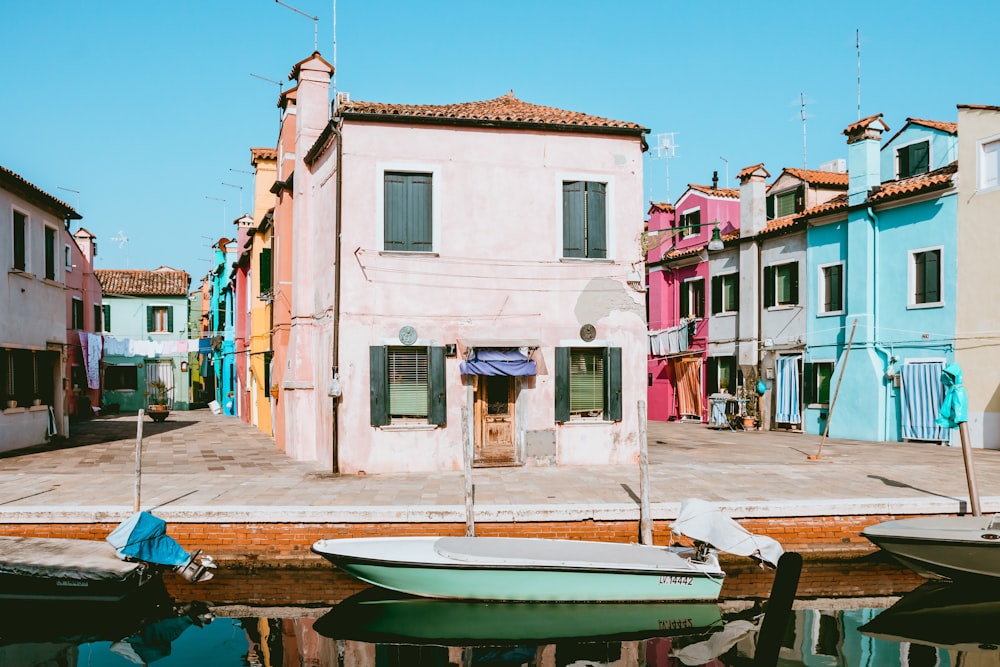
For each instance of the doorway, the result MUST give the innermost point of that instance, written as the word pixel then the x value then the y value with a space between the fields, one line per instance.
pixel 494 426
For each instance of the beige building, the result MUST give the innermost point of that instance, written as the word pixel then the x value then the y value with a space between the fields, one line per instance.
pixel 264 162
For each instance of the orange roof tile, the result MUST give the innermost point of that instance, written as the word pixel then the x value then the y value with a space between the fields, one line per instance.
pixel 15 183
pixel 865 123
pixel 726 193
pixel 506 109
pixel 944 126
pixel 780 223
pixel 161 282
pixel 263 154
pixel 837 203
pixel 981 107
pixel 660 206
pixel 933 180
pixel 747 171
pixel 835 179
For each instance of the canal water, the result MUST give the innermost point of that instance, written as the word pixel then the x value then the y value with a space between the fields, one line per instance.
pixel 864 613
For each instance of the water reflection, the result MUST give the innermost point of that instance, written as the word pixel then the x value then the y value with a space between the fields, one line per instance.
pixel 316 617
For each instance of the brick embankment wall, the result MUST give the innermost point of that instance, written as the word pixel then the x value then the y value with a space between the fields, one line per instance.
pixel 289 544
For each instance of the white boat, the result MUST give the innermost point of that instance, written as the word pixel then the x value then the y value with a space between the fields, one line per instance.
pixel 547 570
pixel 942 547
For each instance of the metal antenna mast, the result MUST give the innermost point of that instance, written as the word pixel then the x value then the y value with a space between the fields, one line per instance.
pixel 802 100
pixel 314 19
pixel 857 44
pixel 77 196
pixel 240 188
pixel 727 169
pixel 122 243
pixel 223 207
pixel 664 149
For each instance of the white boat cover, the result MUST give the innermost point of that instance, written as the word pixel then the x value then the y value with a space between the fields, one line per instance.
pixel 704 652
pixel 701 521
pixel 82 560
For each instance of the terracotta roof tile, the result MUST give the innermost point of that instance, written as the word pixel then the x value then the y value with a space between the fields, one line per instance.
pixel 837 203
pixel 780 223
pixel 746 172
pixel 13 182
pixel 933 180
pixel 865 123
pixel 504 109
pixel 980 107
pixel 725 193
pixel 835 179
pixel 944 126
pixel 161 282
pixel 660 206
pixel 262 154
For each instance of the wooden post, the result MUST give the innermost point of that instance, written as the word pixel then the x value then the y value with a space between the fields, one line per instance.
pixel 138 461
pixel 970 472
pixel 645 523
pixel 470 521
pixel 833 403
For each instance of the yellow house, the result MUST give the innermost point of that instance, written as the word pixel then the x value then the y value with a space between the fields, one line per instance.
pixel 264 162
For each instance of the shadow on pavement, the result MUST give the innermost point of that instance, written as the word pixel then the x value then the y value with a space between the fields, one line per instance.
pixel 100 431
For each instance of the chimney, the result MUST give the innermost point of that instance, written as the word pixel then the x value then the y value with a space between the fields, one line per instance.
pixel 715 180
pixel 863 161
pixel 313 99
pixel 753 193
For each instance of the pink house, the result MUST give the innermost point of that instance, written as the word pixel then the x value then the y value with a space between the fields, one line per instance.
pixel 85 319
pixel 681 288
pixel 240 281
pixel 459 273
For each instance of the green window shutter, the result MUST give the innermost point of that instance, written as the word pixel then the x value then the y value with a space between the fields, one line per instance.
pixel 712 375
pixel 407 211
pixel 685 300
pixel 20 245
pixel 770 207
pixel 696 222
pixel 438 399
pixel 265 270
pixel 932 277
pixel 597 243
pixel 562 384
pixel 107 316
pixel 50 253
pixel 699 298
pixel 800 198
pixel 768 286
pixel 574 210
pixel 613 384
pixel 170 318
pixel 809 382
pixel 149 318
pixel 732 292
pixel 379 392
pixel 716 295
pixel 794 283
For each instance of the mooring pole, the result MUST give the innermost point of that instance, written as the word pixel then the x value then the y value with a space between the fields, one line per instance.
pixel 970 472
pixel 645 524
pixel 470 521
pixel 833 403
pixel 138 461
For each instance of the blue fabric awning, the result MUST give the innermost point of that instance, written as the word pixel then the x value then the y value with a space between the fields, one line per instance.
pixel 497 362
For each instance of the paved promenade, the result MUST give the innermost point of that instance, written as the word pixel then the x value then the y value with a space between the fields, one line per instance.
pixel 203 468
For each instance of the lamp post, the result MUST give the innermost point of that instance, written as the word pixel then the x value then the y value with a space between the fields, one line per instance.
pixel 715 243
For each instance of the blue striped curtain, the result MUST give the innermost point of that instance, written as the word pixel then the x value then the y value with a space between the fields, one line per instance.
pixel 921 396
pixel 787 371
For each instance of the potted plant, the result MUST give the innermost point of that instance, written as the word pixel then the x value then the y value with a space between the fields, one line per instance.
pixel 749 401
pixel 158 396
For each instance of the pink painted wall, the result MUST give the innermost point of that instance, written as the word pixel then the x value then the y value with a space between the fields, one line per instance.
pixel 82 284
pixel 241 325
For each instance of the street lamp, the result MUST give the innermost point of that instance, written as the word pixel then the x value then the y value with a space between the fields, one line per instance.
pixel 715 243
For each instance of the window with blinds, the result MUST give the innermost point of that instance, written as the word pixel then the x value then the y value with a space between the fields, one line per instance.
pixel 926 277
pixel 407 374
pixel 586 382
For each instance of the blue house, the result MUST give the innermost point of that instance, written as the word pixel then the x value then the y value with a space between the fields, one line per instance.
pixel 222 329
pixel 881 313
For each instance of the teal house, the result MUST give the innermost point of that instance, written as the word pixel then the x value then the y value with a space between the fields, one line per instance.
pixel 881 266
pixel 146 337
pixel 222 314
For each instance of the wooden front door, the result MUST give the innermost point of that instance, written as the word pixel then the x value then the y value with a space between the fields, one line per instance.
pixel 495 421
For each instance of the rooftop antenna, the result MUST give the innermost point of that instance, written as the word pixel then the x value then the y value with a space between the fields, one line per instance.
pixel 335 49
pixel 240 188
pixel 664 149
pixel 314 19
pixel 122 243
pixel 857 44
pixel 727 169
pixel 802 101
pixel 223 207
pixel 77 195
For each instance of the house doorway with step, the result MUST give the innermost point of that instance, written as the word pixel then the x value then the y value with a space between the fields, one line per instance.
pixel 494 421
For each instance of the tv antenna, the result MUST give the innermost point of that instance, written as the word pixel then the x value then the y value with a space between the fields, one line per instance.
pixel 223 206
pixel 857 44
pixel 240 188
pixel 727 169
pixel 77 195
pixel 314 19
pixel 802 102
pixel 122 241
pixel 664 149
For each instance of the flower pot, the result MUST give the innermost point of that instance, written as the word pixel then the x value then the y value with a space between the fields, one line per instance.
pixel 158 413
pixel 748 423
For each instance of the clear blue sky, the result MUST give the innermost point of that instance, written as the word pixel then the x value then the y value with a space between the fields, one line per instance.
pixel 147 107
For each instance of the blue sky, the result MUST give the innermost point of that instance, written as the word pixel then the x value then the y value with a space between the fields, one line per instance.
pixel 138 112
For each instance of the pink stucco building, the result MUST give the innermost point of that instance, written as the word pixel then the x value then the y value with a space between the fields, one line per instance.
pixel 459 273
pixel 84 325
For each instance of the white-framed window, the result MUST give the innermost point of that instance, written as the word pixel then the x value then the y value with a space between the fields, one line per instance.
pixel 816 377
pixel 588 384
pixel 725 293
pixel 407 385
pixel 408 207
pixel 160 319
pixel 988 167
pixel 585 219
pixel 831 288
pixel 67 257
pixel 913 158
pixel 781 285
pixel 692 298
pixel 926 277
pixel 689 222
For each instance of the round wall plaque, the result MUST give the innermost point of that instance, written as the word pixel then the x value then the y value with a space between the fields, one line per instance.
pixel 407 335
pixel 588 332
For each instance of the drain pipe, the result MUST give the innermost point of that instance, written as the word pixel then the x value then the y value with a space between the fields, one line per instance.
pixel 335 387
pixel 880 349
